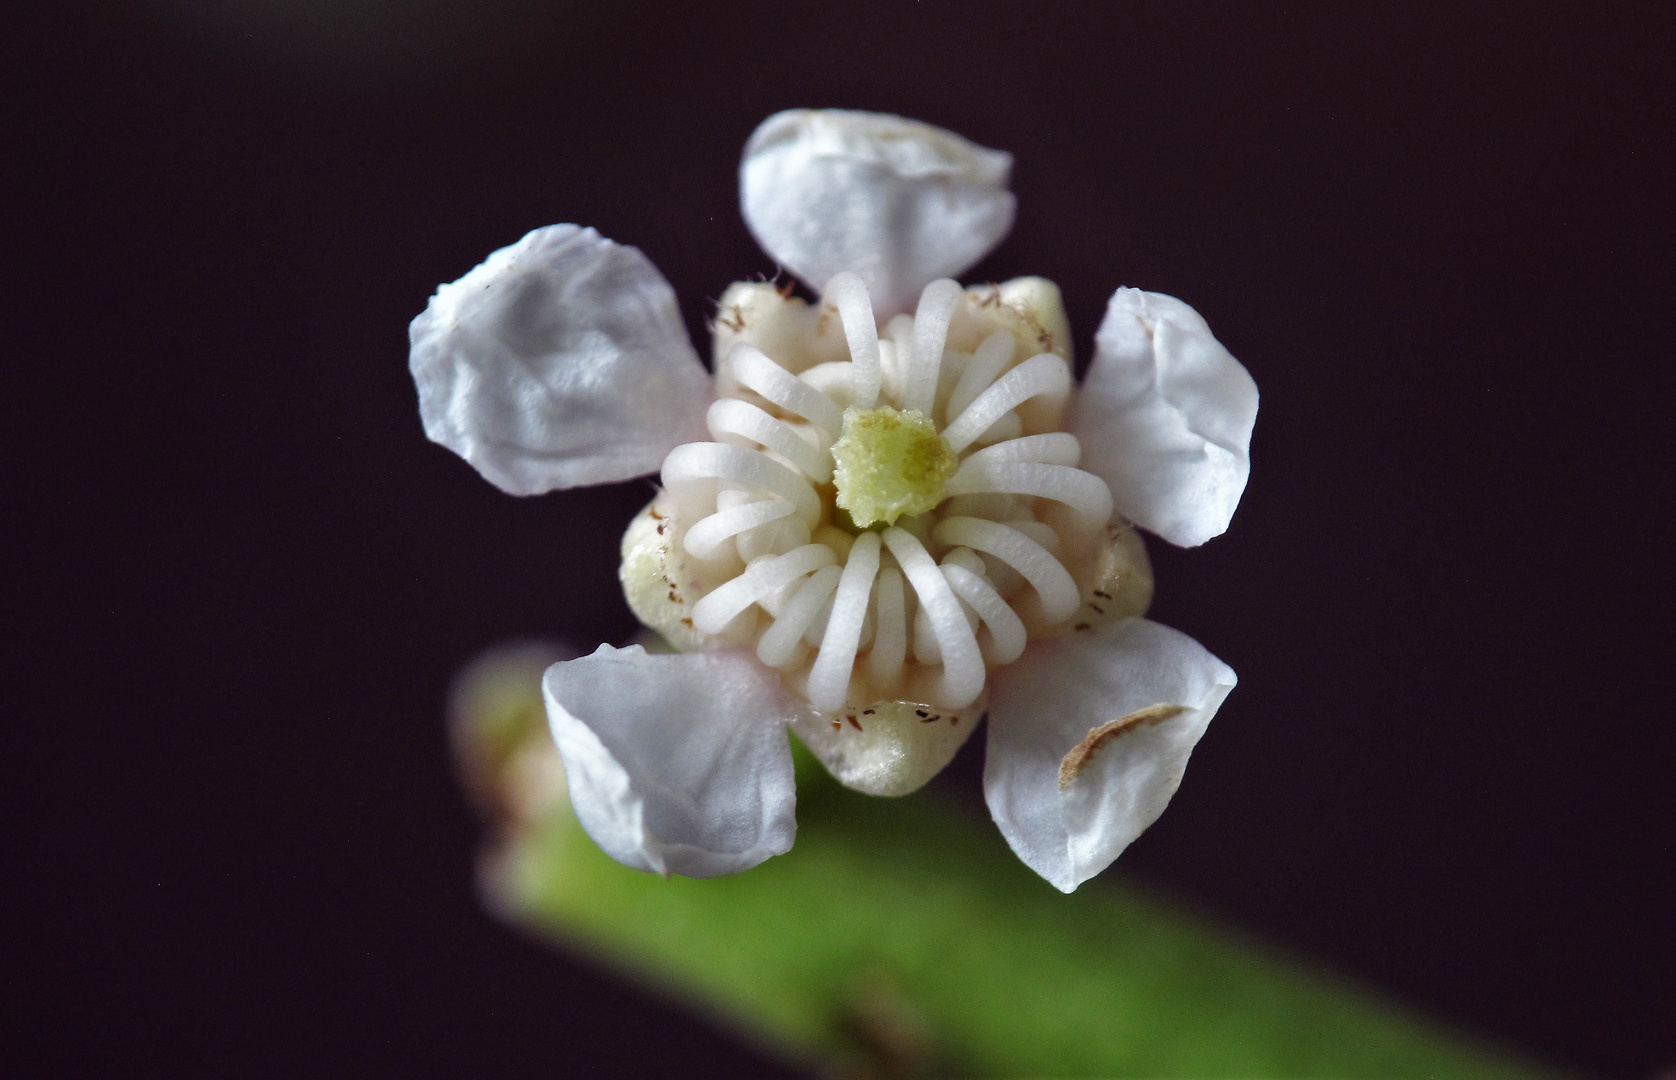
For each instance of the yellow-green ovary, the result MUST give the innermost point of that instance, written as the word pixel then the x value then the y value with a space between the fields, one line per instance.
pixel 888 463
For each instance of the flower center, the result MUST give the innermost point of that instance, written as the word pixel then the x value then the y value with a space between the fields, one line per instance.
pixel 886 526
pixel 890 462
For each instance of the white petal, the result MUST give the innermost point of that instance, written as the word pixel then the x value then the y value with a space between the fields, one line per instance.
pixel 559 361
pixel 1165 418
pixel 677 764
pixel 899 202
pixel 1089 735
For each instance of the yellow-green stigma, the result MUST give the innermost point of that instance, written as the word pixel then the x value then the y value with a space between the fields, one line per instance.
pixel 890 462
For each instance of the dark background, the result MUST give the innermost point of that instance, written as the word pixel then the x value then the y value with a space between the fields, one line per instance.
pixel 1440 241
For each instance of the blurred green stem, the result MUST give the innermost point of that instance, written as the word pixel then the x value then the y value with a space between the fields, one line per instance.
pixel 900 937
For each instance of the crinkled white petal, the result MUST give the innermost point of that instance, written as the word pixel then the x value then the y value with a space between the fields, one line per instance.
pixel 1089 735
pixel 1165 417
pixel 561 360
pixel 899 202
pixel 677 764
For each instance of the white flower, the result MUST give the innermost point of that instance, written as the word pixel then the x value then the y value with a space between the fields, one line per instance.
pixel 887 514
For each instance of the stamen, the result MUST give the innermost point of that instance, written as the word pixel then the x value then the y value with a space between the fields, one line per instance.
pixel 1005 629
pixel 926 649
pixel 1041 532
pixel 984 368
pixel 966 559
pixel 849 292
pixel 896 355
pixel 722 461
pixel 774 538
pixel 730 416
pixel 964 556
pixel 719 607
pixel 963 666
pixel 931 330
pixel 804 464
pixel 778 646
pixel 1053 448
pixel 757 372
pixel 1083 492
pixel 705 539
pixel 815 633
pixel 1006 429
pixel 890 638
pixel 835 379
pixel 1058 593
pixel 774 601
pixel 830 678
pixel 1044 374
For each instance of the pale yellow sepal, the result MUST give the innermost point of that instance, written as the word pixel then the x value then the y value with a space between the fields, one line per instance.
pixel 888 747
pixel 661 581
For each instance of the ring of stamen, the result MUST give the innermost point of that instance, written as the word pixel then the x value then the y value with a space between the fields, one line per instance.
pixel 948 493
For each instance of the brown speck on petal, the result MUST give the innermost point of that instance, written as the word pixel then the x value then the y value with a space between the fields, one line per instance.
pixel 837 725
pixel 1082 626
pixel 1081 754
pixel 854 722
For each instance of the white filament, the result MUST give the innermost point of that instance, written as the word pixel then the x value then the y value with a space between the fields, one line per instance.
pixel 719 607
pixel 772 538
pixel 1041 375
pixel 778 645
pixel 1005 629
pixel 730 416
pixel 835 379
pixel 1083 492
pixel 757 372
pixel 926 650
pixel 931 330
pixel 1053 584
pixel 815 633
pixel 1054 448
pixel 963 666
pixel 705 539
pixel 722 461
pixel 1007 428
pixel 894 356
pixel 890 638
pixel 984 368
pixel 829 680
pixel 862 334
pixel 964 556
pixel 1041 532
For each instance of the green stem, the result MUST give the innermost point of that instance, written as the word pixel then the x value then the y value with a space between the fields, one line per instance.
pixel 902 938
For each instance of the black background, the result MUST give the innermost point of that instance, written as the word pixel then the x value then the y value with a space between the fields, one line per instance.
pixel 1439 239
